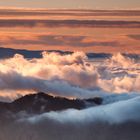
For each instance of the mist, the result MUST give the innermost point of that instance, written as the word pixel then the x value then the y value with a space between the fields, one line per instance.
pixel 112 121
pixel 116 80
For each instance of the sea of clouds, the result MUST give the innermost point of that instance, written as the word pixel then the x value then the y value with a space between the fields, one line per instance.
pixel 71 75
pixel 116 80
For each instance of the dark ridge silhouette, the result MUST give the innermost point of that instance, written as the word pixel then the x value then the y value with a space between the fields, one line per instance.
pixel 9 52
pixel 42 102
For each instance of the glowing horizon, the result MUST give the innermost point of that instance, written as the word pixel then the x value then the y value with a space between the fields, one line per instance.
pixel 71 30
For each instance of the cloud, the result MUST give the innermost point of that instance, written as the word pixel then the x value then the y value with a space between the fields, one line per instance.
pixel 70 75
pixel 135 36
pixel 75 41
pixel 59 40
pixel 68 18
pixel 67 12
pixel 68 23
pixel 111 113
pixel 116 80
pixel 100 122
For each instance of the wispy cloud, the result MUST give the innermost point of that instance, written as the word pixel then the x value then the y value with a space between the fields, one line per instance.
pixel 68 12
pixel 58 40
pixel 68 23
pixel 134 36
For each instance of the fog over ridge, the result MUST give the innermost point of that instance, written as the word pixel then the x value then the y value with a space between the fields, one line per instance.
pixel 116 80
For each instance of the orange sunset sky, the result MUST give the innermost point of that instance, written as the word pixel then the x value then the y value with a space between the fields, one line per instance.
pixel 72 26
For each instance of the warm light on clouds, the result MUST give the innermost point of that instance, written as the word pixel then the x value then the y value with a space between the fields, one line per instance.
pixel 84 50
pixel 68 75
pixel 70 30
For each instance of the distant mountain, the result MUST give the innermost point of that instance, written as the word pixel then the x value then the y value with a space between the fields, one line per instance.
pixel 42 102
pixel 9 52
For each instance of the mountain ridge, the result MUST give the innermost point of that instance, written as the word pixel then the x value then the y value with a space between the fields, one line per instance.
pixel 9 52
pixel 42 102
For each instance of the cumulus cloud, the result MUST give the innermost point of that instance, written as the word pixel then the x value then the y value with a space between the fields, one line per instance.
pixel 70 75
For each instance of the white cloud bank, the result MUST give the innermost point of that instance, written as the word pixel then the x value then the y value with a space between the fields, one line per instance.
pixel 70 75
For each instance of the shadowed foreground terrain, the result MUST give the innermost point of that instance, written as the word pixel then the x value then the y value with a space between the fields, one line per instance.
pixel 27 119
pixel 41 102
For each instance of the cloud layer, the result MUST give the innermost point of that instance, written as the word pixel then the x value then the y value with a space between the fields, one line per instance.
pixel 71 75
pixel 115 79
pixel 101 122
pixel 68 23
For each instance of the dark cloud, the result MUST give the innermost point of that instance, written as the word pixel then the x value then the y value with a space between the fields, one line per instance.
pixel 9 53
pixel 75 41
pixel 67 12
pixel 70 75
pixel 134 36
pixel 68 23
pixel 60 40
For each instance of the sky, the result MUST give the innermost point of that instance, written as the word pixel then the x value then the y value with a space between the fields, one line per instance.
pixel 70 30
pixel 55 28
pixel 94 4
